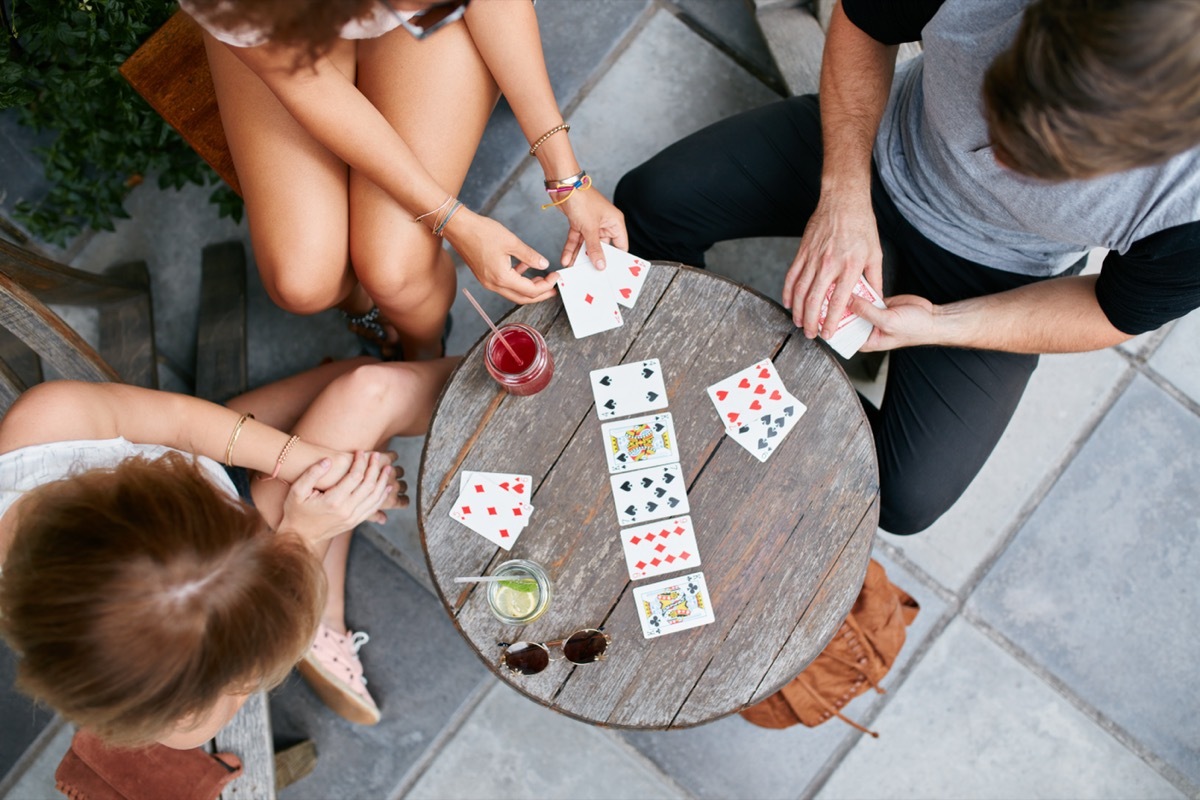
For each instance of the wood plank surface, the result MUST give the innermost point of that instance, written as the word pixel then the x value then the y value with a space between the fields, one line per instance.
pixel 248 735
pixel 781 542
pixel 46 334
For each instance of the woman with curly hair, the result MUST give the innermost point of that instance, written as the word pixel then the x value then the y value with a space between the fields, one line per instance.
pixel 351 120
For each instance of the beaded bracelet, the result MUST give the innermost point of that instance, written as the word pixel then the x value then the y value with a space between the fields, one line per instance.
pixel 283 454
pixel 233 437
pixel 542 139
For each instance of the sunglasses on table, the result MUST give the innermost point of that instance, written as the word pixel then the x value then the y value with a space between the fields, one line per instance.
pixel 429 19
pixel 581 647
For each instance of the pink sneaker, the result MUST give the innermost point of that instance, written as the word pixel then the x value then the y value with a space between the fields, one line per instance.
pixel 332 669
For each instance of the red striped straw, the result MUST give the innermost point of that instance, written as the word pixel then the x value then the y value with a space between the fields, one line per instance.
pixel 492 325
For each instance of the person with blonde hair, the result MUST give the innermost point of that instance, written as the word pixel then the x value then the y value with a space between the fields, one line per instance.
pixel 147 589
pixel 352 124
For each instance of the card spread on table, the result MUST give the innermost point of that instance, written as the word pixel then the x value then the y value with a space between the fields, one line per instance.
pixel 660 547
pixel 755 408
pixel 675 604
pixel 589 298
pixel 626 273
pixel 494 505
pixel 627 389
pixel 852 330
pixel 639 442
pixel 647 494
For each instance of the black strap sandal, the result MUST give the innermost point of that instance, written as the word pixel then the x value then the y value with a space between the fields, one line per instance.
pixel 372 336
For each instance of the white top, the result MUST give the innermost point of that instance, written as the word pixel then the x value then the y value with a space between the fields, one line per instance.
pixel 30 467
pixel 381 20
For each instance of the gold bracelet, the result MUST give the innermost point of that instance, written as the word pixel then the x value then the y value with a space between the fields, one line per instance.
pixel 283 454
pixel 233 437
pixel 541 139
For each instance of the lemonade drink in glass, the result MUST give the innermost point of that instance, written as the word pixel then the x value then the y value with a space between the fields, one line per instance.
pixel 523 597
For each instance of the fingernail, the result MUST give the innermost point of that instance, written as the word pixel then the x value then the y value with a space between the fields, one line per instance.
pixel 600 264
pixel 543 263
pixel 326 463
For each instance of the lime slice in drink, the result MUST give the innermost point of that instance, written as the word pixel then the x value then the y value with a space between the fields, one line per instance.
pixel 520 584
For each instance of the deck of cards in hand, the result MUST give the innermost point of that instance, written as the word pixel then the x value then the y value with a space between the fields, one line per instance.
pixel 593 297
pixel 494 504
pixel 756 409
pixel 852 331
pixel 647 484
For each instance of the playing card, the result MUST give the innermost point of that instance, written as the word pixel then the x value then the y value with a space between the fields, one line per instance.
pixel 647 494
pixel 761 435
pixel 639 442
pixel 629 389
pixel 514 484
pixel 499 515
pixel 675 604
pixel 749 393
pixel 852 330
pixel 626 273
pixel 588 297
pixel 660 547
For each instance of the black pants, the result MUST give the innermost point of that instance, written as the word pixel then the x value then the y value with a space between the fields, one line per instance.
pixel 758 174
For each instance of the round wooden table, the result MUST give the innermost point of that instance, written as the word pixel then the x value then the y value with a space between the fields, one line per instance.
pixel 784 544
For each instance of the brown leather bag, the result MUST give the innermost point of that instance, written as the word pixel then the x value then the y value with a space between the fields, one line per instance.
pixel 91 770
pixel 858 657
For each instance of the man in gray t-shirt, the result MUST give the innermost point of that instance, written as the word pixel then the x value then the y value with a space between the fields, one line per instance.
pixel 1026 134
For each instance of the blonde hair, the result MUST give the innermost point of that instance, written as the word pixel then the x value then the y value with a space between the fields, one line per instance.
pixel 137 596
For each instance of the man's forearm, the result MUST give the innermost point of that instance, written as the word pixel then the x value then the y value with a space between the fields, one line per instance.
pixel 1055 316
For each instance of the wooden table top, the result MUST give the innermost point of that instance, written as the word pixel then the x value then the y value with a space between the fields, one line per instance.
pixel 784 544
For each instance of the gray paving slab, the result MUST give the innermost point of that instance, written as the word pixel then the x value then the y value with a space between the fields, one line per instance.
pixel 23 719
pixel 420 672
pixel 512 747
pixel 1063 401
pixel 36 782
pixel 1178 359
pixel 732 758
pixel 1099 585
pixel 796 40
pixel 972 722
pixel 733 24
pixel 577 38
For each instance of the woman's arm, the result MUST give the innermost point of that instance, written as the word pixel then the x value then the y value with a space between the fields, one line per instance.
pixel 65 410
pixel 506 34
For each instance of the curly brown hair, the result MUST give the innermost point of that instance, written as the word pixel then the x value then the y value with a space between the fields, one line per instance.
pixel 137 597
pixel 312 26
pixel 1091 87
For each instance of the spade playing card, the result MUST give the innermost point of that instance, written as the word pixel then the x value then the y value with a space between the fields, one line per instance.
pixel 761 435
pixel 673 605
pixel 647 494
pixel 660 547
pixel 639 442
pixel 632 388
pixel 626 273
pixel 755 408
pixel 588 297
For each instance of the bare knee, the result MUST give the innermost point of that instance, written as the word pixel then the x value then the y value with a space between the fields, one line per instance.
pixel 302 283
pixel 370 388
pixel 405 273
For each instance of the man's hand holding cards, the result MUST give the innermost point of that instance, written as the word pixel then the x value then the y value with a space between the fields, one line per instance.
pixel 852 330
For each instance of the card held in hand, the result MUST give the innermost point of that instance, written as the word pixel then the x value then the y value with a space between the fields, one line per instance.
pixel 589 298
pixel 647 494
pixel 632 388
pixel 673 605
pixel 660 547
pixel 852 330
pixel 639 442
pixel 626 273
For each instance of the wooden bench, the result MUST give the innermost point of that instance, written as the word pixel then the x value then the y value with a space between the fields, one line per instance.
pixel 170 70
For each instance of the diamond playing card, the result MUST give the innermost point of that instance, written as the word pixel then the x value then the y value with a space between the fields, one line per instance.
pixel 632 388
pixel 673 605
pixel 626 274
pixel 852 330
pixel 639 442
pixel 515 484
pixel 646 494
pixel 497 514
pixel 660 547
pixel 589 299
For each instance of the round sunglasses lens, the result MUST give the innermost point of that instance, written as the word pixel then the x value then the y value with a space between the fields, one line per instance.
pixel 585 647
pixel 526 658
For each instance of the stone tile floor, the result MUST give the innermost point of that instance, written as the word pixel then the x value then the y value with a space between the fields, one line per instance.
pixel 1055 650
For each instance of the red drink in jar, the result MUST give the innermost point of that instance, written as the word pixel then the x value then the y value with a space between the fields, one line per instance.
pixel 530 371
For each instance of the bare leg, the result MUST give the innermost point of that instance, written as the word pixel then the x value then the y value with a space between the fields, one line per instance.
pixel 438 95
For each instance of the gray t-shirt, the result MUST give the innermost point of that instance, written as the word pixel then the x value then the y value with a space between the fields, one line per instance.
pixel 933 156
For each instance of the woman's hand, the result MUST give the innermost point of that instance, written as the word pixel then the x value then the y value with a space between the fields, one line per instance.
pixel 368 487
pixel 489 249
pixel 593 219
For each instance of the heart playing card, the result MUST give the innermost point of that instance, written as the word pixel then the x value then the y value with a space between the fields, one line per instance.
pixel 852 330
pixel 639 442
pixel 629 389
pixel 647 494
pixel 589 299
pixel 673 605
pixel 749 393
pixel 660 547
pixel 626 274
